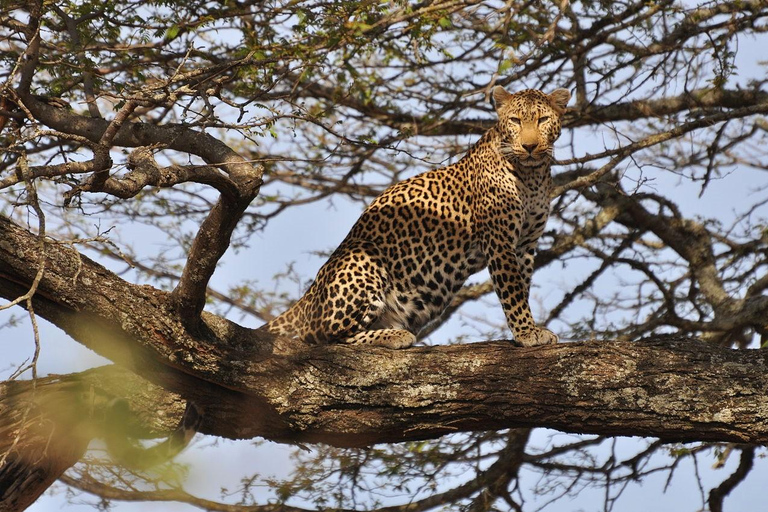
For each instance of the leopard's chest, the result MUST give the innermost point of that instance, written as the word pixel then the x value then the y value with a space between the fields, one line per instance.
pixel 516 198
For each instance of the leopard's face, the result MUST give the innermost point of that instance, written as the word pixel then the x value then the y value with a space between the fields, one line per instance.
pixel 529 123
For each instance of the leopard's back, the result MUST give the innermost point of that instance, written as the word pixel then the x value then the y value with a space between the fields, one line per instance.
pixel 403 260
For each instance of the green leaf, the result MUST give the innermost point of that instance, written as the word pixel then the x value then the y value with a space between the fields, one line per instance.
pixel 172 32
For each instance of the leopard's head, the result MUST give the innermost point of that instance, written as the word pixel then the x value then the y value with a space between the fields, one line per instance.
pixel 529 123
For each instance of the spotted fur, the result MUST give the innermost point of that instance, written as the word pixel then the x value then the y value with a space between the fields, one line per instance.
pixel 417 243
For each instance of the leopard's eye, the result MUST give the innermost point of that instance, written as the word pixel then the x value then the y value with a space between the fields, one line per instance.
pixel 515 120
pixel 543 119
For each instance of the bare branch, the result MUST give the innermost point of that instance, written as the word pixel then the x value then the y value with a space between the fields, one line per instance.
pixel 719 493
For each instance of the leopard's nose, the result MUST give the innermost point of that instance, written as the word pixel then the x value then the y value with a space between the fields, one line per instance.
pixel 530 147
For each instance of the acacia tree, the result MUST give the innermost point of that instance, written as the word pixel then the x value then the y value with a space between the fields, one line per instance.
pixel 209 122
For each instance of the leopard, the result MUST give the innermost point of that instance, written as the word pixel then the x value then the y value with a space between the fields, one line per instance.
pixel 415 245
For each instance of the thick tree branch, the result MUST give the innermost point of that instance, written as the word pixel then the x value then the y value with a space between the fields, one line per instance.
pixel 210 244
pixel 358 396
pixel 679 390
pixel 110 315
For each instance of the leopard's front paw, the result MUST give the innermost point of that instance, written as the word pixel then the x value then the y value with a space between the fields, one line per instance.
pixel 536 336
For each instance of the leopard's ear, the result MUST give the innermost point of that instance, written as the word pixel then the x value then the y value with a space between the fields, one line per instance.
pixel 499 95
pixel 559 99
